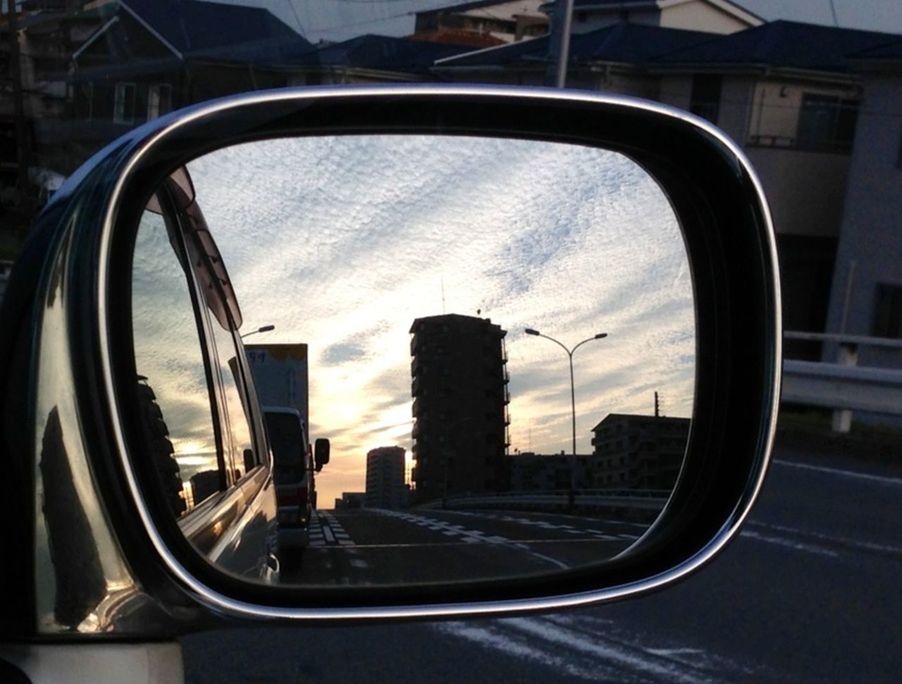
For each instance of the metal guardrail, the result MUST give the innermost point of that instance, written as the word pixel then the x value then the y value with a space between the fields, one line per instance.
pixel 647 500
pixel 844 386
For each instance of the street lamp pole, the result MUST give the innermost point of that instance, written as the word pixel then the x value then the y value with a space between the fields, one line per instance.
pixel 262 329
pixel 599 336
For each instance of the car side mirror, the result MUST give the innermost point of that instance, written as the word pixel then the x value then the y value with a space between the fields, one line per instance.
pixel 321 453
pixel 552 319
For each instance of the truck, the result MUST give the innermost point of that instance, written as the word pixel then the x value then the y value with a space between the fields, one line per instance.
pixel 280 377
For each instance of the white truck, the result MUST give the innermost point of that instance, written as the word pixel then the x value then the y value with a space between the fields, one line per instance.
pixel 280 377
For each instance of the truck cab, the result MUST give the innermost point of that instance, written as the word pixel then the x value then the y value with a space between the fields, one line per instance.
pixel 293 473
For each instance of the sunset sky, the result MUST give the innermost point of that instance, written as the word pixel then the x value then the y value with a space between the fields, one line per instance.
pixel 342 242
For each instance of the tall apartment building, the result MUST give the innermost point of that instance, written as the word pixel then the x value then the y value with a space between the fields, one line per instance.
pixel 385 478
pixel 638 452
pixel 459 386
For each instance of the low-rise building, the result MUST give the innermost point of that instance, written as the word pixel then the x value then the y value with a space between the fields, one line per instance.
pixel 531 472
pixel 638 452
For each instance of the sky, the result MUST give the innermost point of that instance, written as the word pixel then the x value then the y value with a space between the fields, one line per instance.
pixel 342 242
pixel 343 19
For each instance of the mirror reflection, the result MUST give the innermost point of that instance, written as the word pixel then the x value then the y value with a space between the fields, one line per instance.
pixel 470 358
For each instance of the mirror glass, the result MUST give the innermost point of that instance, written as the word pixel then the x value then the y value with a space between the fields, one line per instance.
pixel 475 357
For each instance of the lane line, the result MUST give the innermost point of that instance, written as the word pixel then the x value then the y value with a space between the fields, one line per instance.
pixel 895 481
pixel 842 541
pixel 788 543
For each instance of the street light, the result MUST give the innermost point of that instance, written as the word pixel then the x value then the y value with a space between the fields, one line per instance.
pixel 599 336
pixel 262 329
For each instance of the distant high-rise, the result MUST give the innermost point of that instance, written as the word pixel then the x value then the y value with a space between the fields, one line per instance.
pixel 460 405
pixel 385 478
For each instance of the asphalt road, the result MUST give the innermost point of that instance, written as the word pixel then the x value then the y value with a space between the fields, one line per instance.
pixel 810 592
pixel 372 547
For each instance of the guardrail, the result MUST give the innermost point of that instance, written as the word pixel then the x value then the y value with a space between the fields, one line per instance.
pixel 593 499
pixel 844 386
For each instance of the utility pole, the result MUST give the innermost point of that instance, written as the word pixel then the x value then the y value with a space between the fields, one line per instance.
pixel 559 44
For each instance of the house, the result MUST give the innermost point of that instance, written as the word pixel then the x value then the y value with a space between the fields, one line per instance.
pixel 866 298
pixel 613 58
pixel 789 93
pixel 35 83
pixel 368 59
pixel 483 23
pixel 150 56
pixel 715 16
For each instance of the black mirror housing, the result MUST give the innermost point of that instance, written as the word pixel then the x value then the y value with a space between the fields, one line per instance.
pixel 321 452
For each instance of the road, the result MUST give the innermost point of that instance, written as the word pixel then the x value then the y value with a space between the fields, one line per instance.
pixel 810 592
pixel 372 546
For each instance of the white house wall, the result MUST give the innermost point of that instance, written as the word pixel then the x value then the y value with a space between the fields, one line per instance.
pixel 805 189
pixel 775 113
pixel 872 220
pixel 699 16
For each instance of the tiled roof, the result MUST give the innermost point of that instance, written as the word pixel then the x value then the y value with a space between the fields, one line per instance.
pixel 624 43
pixel 383 53
pixel 782 43
pixel 199 28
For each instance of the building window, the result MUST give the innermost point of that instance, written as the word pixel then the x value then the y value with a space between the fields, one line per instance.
pixel 159 100
pixel 826 123
pixel 705 97
pixel 888 311
pixel 124 103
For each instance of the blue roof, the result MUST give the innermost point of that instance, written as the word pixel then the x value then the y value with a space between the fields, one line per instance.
pixel 200 28
pixel 623 43
pixel 889 51
pixel 382 53
pixel 782 44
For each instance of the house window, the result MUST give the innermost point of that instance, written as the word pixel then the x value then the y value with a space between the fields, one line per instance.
pixel 826 123
pixel 159 100
pixel 124 103
pixel 705 97
pixel 888 311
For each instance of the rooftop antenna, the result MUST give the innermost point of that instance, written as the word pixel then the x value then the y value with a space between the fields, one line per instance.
pixel 443 295
pixel 833 10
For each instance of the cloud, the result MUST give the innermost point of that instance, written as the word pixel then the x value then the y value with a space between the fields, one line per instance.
pixel 342 242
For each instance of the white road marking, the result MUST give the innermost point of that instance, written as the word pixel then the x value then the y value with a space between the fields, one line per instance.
pixel 789 543
pixel 843 541
pixel 469 536
pixel 595 650
pixel 896 481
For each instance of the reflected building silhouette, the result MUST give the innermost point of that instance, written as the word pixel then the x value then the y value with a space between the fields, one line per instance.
pixel 385 478
pixel 638 452
pixel 531 472
pixel 350 500
pixel 459 387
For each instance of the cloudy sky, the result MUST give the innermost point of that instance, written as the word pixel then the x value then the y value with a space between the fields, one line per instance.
pixel 342 242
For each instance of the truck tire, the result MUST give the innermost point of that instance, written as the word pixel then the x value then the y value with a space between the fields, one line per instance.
pixel 156 435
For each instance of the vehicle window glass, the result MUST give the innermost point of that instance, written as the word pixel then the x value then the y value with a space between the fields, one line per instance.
pixel 170 363
pixel 285 438
pixel 236 424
